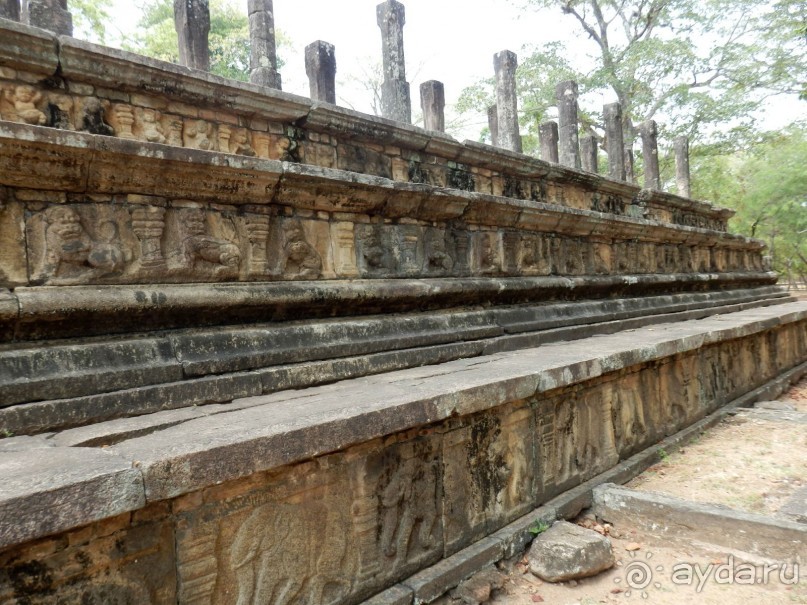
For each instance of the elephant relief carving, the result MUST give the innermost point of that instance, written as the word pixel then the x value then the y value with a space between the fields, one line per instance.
pixel 70 253
pixel 301 260
pixel 284 554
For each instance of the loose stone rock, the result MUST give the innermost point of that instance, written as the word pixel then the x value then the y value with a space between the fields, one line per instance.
pixel 568 552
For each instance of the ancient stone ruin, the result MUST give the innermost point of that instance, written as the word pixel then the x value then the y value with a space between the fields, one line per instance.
pixel 258 348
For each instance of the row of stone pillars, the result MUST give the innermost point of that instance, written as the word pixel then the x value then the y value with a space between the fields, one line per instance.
pixel 560 142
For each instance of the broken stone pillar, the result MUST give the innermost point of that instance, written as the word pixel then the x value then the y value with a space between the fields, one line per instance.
pixel 588 153
pixel 649 133
pixel 10 9
pixel 568 142
pixel 262 49
pixel 192 22
pixel 615 141
pixel 630 173
pixel 51 15
pixel 682 166
pixel 505 63
pixel 433 104
pixel 396 103
pixel 548 139
pixel 493 125
pixel 320 65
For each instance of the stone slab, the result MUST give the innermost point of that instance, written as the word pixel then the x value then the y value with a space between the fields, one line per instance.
pixel 287 427
pixel 26 47
pixel 397 595
pixel 667 517
pixel 445 575
pixel 795 508
pixel 48 490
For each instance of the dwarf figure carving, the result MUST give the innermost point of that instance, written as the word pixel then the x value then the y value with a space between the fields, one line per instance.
pixel 301 260
pixel 152 130
pixel 197 135
pixel 24 100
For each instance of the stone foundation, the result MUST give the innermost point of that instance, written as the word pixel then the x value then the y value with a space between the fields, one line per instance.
pixel 351 488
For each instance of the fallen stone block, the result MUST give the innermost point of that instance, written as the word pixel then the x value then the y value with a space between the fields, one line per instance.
pixel 569 552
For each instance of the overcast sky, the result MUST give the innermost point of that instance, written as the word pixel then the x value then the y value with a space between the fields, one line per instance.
pixel 448 40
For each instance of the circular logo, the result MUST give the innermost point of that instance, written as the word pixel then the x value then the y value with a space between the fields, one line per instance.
pixel 638 576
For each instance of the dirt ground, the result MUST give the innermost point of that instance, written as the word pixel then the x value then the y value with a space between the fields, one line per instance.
pixel 611 587
pixel 746 463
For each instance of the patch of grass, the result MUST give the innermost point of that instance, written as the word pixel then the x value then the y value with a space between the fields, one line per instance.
pixel 538 528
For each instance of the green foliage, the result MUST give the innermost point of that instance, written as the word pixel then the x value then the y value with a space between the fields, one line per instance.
pixel 90 18
pixel 767 186
pixel 228 38
pixel 538 528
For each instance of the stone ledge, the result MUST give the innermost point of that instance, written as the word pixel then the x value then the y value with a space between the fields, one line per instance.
pixel 267 432
pixel 28 152
pixel 667 517
pixel 169 367
pixel 52 312
pixel 49 490
pixel 286 427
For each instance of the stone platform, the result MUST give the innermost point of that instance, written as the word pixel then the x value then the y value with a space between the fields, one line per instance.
pixel 255 348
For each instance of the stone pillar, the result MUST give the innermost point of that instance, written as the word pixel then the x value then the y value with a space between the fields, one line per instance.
pixel 588 153
pixel 493 125
pixel 192 22
pixel 10 9
pixel 614 141
pixel 548 139
pixel 630 173
pixel 433 104
pixel 51 15
pixel 568 142
pixel 396 102
pixel 649 133
pixel 320 65
pixel 262 50
pixel 682 166
pixel 505 64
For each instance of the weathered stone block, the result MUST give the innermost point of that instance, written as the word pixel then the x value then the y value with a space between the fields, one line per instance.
pixel 569 552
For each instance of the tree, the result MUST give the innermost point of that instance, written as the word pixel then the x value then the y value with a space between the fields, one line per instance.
pixel 90 19
pixel 704 65
pixel 767 185
pixel 228 38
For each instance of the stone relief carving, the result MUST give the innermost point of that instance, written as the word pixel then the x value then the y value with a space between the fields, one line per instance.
pixel 68 253
pixel 407 500
pixel 257 228
pixel 23 100
pixel 148 224
pixel 438 258
pixel 150 126
pixel 488 254
pixel 202 254
pixel 198 134
pixel 301 260
pixel 279 558
pixel 123 121
pixel 93 118
pixel 374 249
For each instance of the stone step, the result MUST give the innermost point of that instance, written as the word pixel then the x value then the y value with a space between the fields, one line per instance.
pixel 380 476
pixel 94 380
